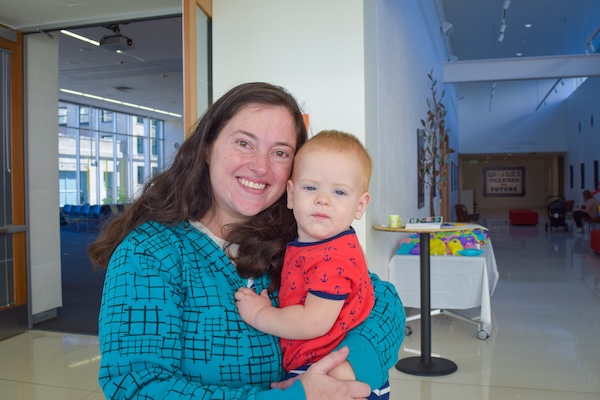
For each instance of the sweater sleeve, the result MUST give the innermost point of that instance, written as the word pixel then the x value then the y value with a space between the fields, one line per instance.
pixel 374 344
pixel 141 335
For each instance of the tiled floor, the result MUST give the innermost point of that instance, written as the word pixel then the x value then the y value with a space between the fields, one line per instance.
pixel 545 342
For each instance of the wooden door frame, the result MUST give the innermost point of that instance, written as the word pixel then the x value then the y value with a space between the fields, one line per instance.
pixel 15 318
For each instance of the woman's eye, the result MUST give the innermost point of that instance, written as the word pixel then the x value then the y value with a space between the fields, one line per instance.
pixel 281 154
pixel 243 143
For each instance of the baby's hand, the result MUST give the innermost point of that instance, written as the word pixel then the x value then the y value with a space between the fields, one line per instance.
pixel 249 304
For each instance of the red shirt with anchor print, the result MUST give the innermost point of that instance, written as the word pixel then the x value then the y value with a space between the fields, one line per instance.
pixel 334 269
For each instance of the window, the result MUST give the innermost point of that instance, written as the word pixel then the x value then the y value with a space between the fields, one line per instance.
pixel 140 175
pixel 107 116
pixel 67 188
pixel 139 120
pixel 84 115
pixel 100 163
pixel 596 178
pixel 62 116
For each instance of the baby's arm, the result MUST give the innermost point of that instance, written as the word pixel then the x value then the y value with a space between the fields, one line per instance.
pixel 299 322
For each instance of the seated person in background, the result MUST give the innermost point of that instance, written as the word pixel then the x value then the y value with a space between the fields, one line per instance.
pixel 325 287
pixel 587 210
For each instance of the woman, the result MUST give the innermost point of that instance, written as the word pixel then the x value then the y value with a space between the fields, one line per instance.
pixel 215 221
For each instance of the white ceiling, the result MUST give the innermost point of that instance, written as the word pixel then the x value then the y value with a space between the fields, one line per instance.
pixel 152 73
pixel 149 74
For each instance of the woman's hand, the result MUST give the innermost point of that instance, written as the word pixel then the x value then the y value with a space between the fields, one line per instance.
pixel 318 385
pixel 343 371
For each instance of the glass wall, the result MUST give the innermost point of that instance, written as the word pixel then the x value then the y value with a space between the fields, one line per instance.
pixel 105 156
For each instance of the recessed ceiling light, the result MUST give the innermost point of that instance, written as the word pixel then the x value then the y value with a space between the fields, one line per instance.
pixel 528 25
pixel 519 54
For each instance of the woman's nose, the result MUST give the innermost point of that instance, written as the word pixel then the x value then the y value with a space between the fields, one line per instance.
pixel 260 164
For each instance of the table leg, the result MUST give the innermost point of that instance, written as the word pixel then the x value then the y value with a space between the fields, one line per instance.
pixel 425 365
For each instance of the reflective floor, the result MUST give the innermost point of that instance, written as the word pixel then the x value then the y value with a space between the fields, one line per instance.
pixel 545 341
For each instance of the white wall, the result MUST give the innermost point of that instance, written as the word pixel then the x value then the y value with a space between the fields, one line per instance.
pixel 359 66
pixel 584 145
pixel 512 125
pixel 312 48
pixel 404 43
pixel 41 97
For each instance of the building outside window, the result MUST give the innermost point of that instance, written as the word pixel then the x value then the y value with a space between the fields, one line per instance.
pixel 140 144
pixel 84 115
pixel 62 116
pixel 107 116
pixel 98 163
pixel 140 175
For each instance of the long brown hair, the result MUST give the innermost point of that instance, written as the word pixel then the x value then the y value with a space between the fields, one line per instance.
pixel 183 191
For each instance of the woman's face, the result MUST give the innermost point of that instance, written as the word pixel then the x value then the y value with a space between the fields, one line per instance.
pixel 250 162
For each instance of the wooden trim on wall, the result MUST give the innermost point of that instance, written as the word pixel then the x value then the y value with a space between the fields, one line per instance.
pixel 18 165
pixel 190 67
pixel 205 6
pixel 190 63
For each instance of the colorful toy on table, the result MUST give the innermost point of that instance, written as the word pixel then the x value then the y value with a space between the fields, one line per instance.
pixel 445 242
pixel 455 245
pixel 405 248
pixel 471 245
pixel 468 241
pixel 416 250
pixel 437 247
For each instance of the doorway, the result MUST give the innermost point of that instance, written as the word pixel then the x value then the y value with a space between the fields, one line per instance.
pixel 14 314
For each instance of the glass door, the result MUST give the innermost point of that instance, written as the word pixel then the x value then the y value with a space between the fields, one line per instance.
pixel 13 272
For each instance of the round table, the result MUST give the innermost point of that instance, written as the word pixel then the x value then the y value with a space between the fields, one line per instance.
pixel 426 365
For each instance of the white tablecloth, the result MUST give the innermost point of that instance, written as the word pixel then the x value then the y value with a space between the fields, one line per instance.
pixel 457 282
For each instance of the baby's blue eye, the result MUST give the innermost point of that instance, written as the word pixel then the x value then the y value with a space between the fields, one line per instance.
pixel 311 188
pixel 340 192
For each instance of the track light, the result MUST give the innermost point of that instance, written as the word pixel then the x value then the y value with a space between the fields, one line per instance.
pixel 506 4
pixel 501 37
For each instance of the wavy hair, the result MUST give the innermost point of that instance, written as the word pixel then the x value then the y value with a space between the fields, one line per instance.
pixel 184 191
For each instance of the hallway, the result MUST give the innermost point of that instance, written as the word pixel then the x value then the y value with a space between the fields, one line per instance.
pixel 545 342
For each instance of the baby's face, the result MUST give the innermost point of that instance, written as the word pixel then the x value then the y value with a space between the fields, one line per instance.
pixel 326 193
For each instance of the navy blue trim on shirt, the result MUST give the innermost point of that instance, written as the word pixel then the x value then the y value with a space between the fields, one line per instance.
pixel 295 242
pixel 328 296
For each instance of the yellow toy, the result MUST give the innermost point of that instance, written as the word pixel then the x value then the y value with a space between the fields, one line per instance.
pixel 437 247
pixel 455 246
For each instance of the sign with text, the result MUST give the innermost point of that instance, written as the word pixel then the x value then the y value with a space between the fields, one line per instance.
pixel 504 182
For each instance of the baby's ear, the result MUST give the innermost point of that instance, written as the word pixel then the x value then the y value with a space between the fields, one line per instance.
pixel 290 194
pixel 363 202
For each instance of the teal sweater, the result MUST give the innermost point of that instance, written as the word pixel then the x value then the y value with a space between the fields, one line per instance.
pixel 169 327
